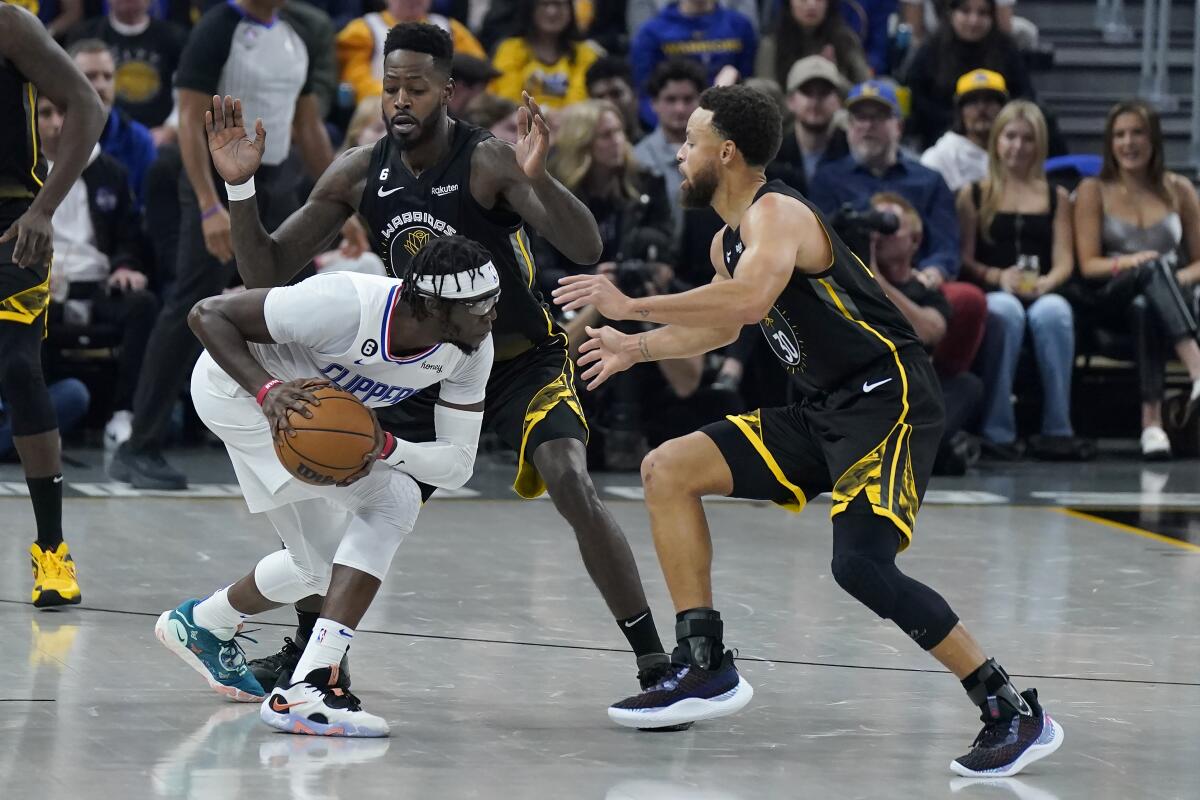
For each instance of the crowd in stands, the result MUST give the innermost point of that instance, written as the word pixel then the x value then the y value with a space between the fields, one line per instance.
pixel 914 126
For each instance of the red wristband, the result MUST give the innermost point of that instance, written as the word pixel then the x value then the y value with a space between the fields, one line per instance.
pixel 389 446
pixel 266 387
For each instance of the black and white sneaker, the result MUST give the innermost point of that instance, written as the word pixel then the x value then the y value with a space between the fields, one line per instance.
pixel 269 669
pixel 685 693
pixel 1010 741
pixel 318 706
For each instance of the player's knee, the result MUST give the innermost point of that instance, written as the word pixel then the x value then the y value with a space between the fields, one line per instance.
pixel 568 482
pixel 867 580
pixel 664 471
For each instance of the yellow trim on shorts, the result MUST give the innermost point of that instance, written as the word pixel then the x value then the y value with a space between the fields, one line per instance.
pixel 529 483
pixel 28 304
pixel 859 475
pixel 751 426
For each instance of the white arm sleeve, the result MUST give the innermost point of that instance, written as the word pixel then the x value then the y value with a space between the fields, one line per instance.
pixel 449 461
pixel 321 313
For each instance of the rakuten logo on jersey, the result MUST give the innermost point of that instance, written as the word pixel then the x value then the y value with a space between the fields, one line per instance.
pixel 442 191
pixel 371 392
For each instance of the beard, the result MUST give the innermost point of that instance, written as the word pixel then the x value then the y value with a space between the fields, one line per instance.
pixel 698 191
pixel 425 130
pixel 813 127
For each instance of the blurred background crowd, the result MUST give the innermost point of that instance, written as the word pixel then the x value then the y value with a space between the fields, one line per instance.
pixel 1056 291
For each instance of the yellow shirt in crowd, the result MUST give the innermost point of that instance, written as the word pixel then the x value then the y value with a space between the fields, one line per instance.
pixel 360 48
pixel 554 85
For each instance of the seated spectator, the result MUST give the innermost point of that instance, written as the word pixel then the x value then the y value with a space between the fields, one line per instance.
pixel 875 164
pixel 471 78
pixel 360 43
pixel 970 41
pixel 1133 226
pixel 718 38
pixel 922 18
pixel 70 398
pixel 892 259
pixel 961 155
pixel 98 274
pixel 611 79
pixel 496 114
pixel 816 91
pixel 124 138
pixel 675 89
pixel 1017 244
pixel 547 59
pixel 146 52
pixel 639 12
pixel 811 28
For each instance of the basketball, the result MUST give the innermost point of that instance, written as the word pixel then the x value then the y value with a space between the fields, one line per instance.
pixel 329 446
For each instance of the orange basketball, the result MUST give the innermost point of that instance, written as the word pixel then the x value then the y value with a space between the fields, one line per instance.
pixel 329 446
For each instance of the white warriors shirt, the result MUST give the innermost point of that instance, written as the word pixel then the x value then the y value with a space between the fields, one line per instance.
pixel 336 326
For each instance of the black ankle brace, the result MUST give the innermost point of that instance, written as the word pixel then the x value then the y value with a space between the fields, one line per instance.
pixel 699 632
pixel 991 681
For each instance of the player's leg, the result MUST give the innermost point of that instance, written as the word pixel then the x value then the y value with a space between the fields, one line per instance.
pixel 533 406
pixel 876 498
pixel 204 632
pixel 705 682
pixel 384 505
pixel 23 299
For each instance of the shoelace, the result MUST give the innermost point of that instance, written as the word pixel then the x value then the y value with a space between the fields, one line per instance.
pixel 232 652
pixel 993 734
pixel 52 566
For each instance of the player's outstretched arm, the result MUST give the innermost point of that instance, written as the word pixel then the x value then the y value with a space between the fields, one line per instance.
pixel 516 178
pixel 272 259
pixel 609 351
pixel 25 43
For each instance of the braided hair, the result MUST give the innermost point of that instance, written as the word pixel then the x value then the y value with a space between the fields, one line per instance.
pixel 443 259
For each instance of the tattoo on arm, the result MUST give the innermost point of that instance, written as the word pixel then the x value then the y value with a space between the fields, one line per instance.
pixel 644 314
pixel 644 348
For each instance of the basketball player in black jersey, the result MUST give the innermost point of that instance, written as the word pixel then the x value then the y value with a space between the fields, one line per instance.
pixel 30 62
pixel 866 429
pixel 433 176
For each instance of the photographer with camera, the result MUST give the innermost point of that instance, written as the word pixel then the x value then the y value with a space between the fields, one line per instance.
pixel 875 164
pixel 594 160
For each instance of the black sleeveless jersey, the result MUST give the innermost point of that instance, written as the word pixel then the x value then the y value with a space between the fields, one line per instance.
pixel 826 327
pixel 22 164
pixel 403 212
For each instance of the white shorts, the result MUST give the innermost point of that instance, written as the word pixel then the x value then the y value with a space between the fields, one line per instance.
pixel 235 417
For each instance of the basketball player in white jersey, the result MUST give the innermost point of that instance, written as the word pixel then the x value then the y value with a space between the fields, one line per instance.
pixel 382 340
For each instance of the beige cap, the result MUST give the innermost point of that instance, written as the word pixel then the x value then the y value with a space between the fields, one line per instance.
pixel 812 67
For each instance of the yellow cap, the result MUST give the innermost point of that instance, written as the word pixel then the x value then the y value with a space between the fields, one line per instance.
pixel 981 80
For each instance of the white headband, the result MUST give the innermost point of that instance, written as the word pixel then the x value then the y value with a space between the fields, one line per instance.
pixel 461 285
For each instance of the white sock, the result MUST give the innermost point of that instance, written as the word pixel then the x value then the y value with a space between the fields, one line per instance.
pixel 217 616
pixel 325 648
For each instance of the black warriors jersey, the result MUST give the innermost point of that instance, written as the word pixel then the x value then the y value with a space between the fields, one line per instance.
pixel 403 212
pixel 826 327
pixel 22 164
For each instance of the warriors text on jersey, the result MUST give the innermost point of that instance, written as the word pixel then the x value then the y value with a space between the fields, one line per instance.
pixel 336 326
pixel 827 326
pixel 22 165
pixel 404 212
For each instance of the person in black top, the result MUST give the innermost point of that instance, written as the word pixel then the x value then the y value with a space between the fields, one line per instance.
pixel 433 176
pixel 870 412
pixel 30 62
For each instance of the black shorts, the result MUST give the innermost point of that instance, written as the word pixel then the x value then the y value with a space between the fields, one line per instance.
pixel 877 435
pixel 24 293
pixel 530 399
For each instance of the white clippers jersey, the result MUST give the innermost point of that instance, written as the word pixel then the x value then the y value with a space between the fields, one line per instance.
pixel 336 326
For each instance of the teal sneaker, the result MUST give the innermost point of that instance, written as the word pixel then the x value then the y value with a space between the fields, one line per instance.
pixel 221 662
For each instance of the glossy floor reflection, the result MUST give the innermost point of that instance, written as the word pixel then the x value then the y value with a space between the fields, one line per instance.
pixel 493 658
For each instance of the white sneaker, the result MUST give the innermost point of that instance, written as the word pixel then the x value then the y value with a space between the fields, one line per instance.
pixel 317 706
pixel 118 430
pixel 1155 444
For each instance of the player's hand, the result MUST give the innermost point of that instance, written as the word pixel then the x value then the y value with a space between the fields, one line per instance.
pixel 218 235
pixel 607 352
pixel 235 155
pixel 576 291
pixel 288 397
pixel 34 236
pixel 127 280
pixel 370 458
pixel 533 138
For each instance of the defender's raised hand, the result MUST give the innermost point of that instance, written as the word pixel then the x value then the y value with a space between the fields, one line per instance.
pixel 533 138
pixel 235 155
pixel 605 353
